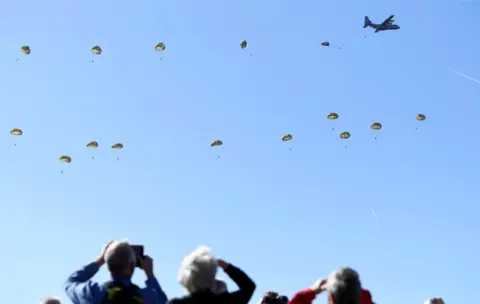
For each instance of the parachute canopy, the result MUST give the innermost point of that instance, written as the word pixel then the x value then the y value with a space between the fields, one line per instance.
pixel 216 143
pixel 325 43
pixel 332 116
pixel 16 132
pixel 26 49
pixel 345 135
pixel 65 159
pixel 420 117
pixel 160 46
pixel 92 144
pixel 117 146
pixel 243 44
pixel 96 50
pixel 287 137
pixel 376 126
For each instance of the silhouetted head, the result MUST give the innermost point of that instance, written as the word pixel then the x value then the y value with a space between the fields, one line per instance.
pixel 51 300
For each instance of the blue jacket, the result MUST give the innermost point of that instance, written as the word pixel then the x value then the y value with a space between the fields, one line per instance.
pixel 81 290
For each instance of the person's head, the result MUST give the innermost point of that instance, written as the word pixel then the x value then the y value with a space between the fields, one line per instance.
pixel 272 297
pixel 434 301
pixel 344 287
pixel 120 259
pixel 51 300
pixel 219 286
pixel 197 271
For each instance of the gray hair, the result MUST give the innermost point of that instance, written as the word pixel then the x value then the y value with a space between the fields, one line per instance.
pixel 198 269
pixel 120 256
pixel 51 300
pixel 344 286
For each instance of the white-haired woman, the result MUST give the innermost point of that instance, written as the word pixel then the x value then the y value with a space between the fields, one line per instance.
pixel 197 275
pixel 343 286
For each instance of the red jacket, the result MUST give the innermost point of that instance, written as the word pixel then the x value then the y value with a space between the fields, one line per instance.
pixel 307 296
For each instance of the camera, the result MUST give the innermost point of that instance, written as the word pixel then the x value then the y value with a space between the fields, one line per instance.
pixel 138 253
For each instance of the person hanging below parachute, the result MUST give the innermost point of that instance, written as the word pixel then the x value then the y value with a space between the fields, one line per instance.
pixel 420 117
pixel 216 143
pixel 64 159
pixel 92 145
pixel 160 47
pixel 96 50
pixel 345 135
pixel 287 137
pixel 16 132
pixel 243 45
pixel 332 116
pixel 117 146
pixel 376 126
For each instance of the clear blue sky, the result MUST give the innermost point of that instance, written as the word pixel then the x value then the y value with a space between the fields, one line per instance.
pixel 285 217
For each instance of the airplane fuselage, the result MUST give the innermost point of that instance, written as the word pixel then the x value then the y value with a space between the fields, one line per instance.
pixel 386 27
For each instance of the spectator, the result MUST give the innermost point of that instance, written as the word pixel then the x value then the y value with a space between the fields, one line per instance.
pixel 272 297
pixel 121 261
pixel 434 301
pixel 197 276
pixel 51 300
pixel 343 287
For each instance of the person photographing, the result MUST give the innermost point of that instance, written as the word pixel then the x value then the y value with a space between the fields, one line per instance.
pixel 121 259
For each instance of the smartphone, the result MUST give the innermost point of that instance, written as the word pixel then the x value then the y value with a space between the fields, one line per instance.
pixel 138 253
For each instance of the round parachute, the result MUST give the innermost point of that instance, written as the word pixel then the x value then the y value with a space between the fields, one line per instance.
pixel 96 50
pixel 376 126
pixel 345 135
pixel 332 116
pixel 26 49
pixel 216 143
pixel 92 144
pixel 325 43
pixel 420 117
pixel 243 44
pixel 287 137
pixel 65 159
pixel 160 46
pixel 117 146
pixel 16 132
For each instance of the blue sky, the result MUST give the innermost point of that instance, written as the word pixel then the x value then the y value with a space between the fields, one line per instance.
pixel 285 217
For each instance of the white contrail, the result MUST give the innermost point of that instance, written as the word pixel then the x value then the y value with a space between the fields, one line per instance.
pixel 464 76
pixel 376 217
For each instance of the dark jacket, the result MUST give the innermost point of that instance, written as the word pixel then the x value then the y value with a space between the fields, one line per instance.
pixel 241 296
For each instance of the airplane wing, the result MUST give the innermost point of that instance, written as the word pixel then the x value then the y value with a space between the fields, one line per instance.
pixel 388 20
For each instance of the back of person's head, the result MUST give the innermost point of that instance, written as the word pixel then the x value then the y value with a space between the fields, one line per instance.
pixel 434 301
pixel 51 300
pixel 219 286
pixel 272 297
pixel 344 287
pixel 197 271
pixel 120 259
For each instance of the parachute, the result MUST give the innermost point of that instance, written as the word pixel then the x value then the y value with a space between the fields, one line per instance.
pixel 376 126
pixel 160 47
pixel 16 132
pixel 345 135
pixel 216 143
pixel 97 50
pixel 65 159
pixel 420 117
pixel 243 44
pixel 287 137
pixel 26 49
pixel 117 146
pixel 325 43
pixel 332 116
pixel 92 144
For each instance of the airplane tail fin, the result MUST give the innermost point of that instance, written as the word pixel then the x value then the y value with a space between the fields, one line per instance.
pixel 367 22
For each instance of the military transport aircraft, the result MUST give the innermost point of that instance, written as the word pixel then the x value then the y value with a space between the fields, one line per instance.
pixel 385 25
